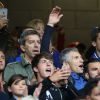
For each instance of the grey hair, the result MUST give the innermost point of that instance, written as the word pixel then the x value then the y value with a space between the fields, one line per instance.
pixel 65 53
pixel 26 33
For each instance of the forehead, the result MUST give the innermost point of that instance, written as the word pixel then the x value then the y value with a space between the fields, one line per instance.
pixel 1 53
pixel 74 53
pixel 18 81
pixel 32 37
pixel 94 65
pixel 44 58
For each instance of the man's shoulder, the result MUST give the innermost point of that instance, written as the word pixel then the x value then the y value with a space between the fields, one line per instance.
pixel 13 64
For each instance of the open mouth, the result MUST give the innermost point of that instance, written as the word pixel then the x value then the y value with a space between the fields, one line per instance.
pixel 98 76
pixel 35 50
pixel 48 70
pixel 81 66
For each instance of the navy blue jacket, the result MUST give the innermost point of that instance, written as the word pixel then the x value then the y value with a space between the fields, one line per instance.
pixel 45 45
pixel 95 56
pixel 3 96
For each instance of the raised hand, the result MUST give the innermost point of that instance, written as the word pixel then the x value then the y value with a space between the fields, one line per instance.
pixel 3 22
pixel 37 91
pixel 55 16
pixel 59 74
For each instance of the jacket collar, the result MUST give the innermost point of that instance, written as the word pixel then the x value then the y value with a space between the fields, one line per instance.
pixel 24 62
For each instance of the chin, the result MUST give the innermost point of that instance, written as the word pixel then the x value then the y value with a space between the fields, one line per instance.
pixel 79 72
pixel 48 75
pixel 21 93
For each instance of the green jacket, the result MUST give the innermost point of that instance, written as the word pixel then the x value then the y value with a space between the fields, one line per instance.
pixel 23 68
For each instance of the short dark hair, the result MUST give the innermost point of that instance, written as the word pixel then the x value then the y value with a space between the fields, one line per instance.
pixel 91 60
pixel 26 33
pixel 14 77
pixel 90 85
pixel 37 58
pixel 94 33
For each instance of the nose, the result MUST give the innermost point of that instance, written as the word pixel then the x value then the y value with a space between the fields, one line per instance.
pixel 48 63
pixel 36 44
pixel 1 59
pixel 20 85
pixel 81 60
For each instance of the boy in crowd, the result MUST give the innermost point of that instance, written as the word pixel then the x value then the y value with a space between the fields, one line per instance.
pixel 52 79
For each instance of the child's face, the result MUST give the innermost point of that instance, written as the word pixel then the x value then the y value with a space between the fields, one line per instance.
pixel 18 88
pixel 45 68
pixel 2 60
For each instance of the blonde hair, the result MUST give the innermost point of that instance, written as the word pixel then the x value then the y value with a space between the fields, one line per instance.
pixel 1 5
pixel 33 23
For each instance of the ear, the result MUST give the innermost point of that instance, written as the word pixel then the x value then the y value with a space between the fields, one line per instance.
pixel 22 48
pixel 9 89
pixel 86 75
pixel 35 69
pixel 94 43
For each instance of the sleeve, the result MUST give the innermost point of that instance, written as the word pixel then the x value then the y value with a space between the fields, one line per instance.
pixel 46 38
pixel 56 58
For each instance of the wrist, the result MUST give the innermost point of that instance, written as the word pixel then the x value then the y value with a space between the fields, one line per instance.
pixel 50 24
pixel 51 79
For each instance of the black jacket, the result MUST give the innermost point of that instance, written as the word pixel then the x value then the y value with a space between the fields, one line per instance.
pixel 3 96
pixel 51 92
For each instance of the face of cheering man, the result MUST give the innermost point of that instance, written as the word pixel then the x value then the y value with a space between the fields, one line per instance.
pixel 76 62
pixel 93 70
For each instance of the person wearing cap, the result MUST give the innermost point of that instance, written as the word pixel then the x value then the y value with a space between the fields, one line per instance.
pixel 95 37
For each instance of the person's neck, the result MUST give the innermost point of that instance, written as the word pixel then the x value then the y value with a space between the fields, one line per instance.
pixel 98 53
pixel 28 59
pixel 39 79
